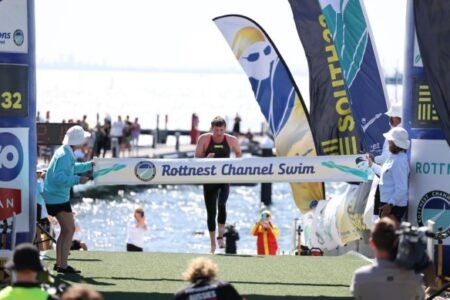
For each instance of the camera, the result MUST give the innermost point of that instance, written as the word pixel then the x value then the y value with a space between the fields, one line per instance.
pixel 412 247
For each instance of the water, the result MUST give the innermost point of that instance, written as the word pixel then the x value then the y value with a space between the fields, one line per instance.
pixel 176 217
pixel 70 94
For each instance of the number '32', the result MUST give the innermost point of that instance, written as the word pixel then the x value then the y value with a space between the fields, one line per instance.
pixel 11 100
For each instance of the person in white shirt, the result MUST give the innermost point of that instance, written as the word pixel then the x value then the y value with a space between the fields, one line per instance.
pixel 395 119
pixel 116 136
pixel 394 174
pixel 136 231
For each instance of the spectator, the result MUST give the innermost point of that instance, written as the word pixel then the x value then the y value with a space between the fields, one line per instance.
pixel 81 292
pixel 201 273
pixel 116 136
pixel 84 123
pixel 136 231
pixel 26 265
pixel 194 129
pixel 237 126
pixel 61 176
pixel 395 119
pixel 384 279
pixel 41 211
pixel 267 235
pixel 77 243
pixel 135 133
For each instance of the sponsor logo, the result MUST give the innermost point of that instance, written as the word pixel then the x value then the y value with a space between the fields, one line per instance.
pixel 145 171
pixel 18 37
pixel 435 206
pixel 11 156
pixel 10 203
pixel 5 35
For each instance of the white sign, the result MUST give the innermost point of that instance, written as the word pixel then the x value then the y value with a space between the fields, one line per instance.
pixel 134 171
pixel 13 26
pixel 429 186
pixel 15 175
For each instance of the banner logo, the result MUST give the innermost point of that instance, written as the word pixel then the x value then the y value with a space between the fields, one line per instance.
pixel 18 37
pixel 11 156
pixel 145 171
pixel 435 206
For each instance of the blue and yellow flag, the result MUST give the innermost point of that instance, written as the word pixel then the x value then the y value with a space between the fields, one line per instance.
pixel 351 34
pixel 277 95
pixel 331 116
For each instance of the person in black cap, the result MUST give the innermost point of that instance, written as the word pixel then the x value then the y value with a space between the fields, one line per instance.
pixel 26 265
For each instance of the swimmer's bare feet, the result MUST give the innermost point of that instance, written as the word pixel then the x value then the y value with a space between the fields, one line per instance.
pixel 220 242
pixel 213 248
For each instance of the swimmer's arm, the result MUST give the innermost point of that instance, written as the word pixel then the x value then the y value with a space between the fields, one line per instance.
pixel 200 149
pixel 236 147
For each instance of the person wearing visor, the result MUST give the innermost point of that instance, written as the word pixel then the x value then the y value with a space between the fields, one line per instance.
pixel 267 234
pixel 394 175
pixel 61 176
pixel 26 265
pixel 216 144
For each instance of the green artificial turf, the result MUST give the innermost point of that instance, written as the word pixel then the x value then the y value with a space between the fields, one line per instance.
pixel 121 275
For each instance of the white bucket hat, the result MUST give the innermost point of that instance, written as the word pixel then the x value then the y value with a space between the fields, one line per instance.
pixel 75 136
pixel 394 111
pixel 399 136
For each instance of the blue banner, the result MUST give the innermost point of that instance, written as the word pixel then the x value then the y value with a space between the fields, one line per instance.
pixel 18 116
pixel 352 37
pixel 432 18
pixel 429 191
pixel 332 122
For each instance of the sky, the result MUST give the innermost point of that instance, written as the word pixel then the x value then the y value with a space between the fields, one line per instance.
pixel 180 34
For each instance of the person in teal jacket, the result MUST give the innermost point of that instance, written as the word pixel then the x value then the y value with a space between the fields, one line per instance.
pixel 61 176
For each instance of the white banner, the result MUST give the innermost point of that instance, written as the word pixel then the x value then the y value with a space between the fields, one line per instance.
pixel 429 185
pixel 13 26
pixel 133 171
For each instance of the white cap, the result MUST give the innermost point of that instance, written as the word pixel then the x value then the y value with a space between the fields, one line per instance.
pixel 75 136
pixel 399 136
pixel 395 110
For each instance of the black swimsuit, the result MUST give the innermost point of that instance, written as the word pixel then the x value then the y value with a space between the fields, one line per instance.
pixel 216 193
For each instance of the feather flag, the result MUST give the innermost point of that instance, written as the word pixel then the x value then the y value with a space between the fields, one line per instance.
pixel 331 116
pixel 277 95
pixel 351 34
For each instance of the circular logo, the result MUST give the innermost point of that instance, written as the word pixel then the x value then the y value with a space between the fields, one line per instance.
pixel 145 170
pixel 18 37
pixel 435 206
pixel 11 156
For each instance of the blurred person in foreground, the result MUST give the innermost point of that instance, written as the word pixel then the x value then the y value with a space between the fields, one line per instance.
pixel 384 279
pixel 61 176
pixel 81 292
pixel 201 273
pixel 25 266
pixel 216 144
